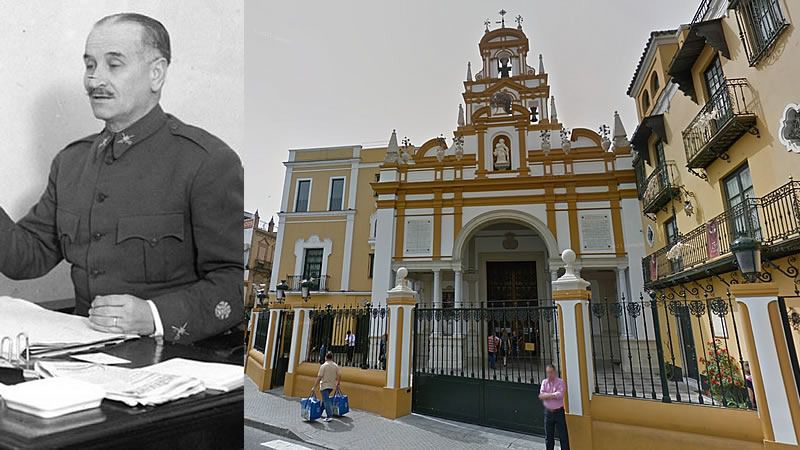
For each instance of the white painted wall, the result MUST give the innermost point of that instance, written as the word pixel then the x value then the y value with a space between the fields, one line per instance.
pixel 43 107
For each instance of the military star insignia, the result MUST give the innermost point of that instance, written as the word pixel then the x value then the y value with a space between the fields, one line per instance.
pixel 104 142
pixel 180 331
pixel 125 139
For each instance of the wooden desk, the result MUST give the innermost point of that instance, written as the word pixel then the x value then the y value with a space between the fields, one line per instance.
pixel 211 420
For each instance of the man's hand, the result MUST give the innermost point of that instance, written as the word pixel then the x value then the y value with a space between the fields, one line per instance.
pixel 121 314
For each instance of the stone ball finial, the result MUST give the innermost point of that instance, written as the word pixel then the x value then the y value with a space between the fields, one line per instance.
pixel 568 256
pixel 400 279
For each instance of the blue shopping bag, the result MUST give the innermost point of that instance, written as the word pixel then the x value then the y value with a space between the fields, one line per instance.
pixel 341 405
pixel 310 409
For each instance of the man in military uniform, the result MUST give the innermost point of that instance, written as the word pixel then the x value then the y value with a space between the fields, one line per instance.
pixel 147 212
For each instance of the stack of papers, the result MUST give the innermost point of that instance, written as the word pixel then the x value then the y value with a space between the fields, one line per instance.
pixel 216 376
pixel 51 333
pixel 52 397
pixel 130 386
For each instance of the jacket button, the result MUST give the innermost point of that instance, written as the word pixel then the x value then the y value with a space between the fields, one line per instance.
pixel 153 241
pixel 101 197
pixel 95 273
pixel 97 236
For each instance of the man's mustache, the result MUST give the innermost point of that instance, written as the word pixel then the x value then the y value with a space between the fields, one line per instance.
pixel 99 92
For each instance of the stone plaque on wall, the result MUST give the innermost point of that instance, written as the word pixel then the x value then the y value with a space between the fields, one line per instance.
pixel 596 233
pixel 419 237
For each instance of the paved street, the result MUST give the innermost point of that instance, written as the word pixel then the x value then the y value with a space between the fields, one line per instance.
pixel 257 439
pixel 273 415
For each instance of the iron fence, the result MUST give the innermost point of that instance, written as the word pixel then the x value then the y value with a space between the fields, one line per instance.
pixel 771 219
pixel 789 310
pixel 316 283
pixel 459 342
pixel 356 335
pixel 670 349
pixel 261 324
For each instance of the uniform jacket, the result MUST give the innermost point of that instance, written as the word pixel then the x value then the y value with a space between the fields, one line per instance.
pixel 153 211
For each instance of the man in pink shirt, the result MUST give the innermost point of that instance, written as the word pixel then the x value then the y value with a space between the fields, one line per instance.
pixel 551 393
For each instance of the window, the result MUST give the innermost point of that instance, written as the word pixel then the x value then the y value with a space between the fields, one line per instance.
pixel 645 102
pixel 371 264
pixel 671 231
pixel 312 266
pixel 654 83
pixel 671 236
pixel 743 214
pixel 761 22
pixel 661 166
pixel 302 195
pixel 336 194
pixel 716 92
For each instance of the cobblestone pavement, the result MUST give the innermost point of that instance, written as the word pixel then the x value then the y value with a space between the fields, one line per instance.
pixel 272 412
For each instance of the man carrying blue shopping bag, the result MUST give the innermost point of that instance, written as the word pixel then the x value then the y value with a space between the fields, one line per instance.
pixel 328 379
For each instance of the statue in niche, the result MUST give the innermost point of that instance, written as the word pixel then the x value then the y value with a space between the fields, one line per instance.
pixel 501 153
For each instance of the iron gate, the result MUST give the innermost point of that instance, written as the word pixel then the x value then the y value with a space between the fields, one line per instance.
pixel 456 377
pixel 789 308
pixel 283 345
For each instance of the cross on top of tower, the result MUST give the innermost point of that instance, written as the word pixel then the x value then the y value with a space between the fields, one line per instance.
pixel 519 22
pixel 502 20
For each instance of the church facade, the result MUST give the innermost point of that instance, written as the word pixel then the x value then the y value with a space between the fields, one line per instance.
pixel 477 219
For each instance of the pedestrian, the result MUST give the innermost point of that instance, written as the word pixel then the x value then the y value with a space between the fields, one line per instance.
pixel 382 352
pixel 551 393
pixel 328 379
pixel 514 345
pixel 505 347
pixel 748 380
pixel 350 340
pixel 492 347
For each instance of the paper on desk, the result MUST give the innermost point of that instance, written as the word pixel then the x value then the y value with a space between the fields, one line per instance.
pixel 100 358
pixel 130 386
pixel 51 332
pixel 217 376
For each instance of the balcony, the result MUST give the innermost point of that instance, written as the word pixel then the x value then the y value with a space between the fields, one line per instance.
pixel 773 219
pixel 721 122
pixel 659 188
pixel 318 284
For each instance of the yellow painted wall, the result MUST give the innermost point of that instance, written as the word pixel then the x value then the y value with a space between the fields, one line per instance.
pixel 320 185
pixel 621 424
pixel 325 228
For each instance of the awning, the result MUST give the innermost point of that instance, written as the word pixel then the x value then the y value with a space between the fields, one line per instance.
pixel 701 33
pixel 649 125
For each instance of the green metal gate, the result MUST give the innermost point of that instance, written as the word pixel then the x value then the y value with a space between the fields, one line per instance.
pixel 455 376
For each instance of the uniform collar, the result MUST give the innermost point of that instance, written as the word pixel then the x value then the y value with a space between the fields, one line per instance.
pixel 123 140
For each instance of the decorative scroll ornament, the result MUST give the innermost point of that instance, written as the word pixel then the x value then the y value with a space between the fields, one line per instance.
pixel 546 142
pixel 789 128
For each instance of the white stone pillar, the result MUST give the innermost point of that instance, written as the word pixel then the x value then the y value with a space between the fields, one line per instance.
pixel 401 300
pixel 770 361
pixel 572 300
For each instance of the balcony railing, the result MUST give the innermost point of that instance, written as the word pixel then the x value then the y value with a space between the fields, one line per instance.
pixel 773 219
pixel 659 187
pixel 721 122
pixel 701 12
pixel 317 283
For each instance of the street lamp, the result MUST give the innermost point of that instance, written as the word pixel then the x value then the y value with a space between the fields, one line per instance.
pixel 280 291
pixel 748 256
pixel 305 289
pixel 261 293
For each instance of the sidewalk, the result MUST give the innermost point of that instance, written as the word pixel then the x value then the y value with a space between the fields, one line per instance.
pixel 272 412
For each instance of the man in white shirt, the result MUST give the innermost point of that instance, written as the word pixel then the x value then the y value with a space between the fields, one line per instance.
pixel 350 340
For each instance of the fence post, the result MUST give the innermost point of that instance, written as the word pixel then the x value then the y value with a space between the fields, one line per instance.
pixel 572 301
pixel 300 328
pixel 778 405
pixel 662 369
pixel 397 393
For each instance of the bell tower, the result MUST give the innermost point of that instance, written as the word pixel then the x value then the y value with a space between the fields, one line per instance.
pixel 506 93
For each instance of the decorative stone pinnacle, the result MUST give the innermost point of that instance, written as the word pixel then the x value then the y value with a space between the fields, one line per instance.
pixel 570 280
pixel 401 284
